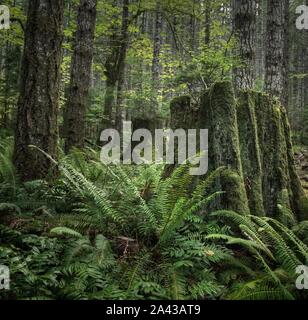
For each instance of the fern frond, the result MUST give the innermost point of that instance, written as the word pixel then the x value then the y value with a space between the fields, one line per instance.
pixel 60 231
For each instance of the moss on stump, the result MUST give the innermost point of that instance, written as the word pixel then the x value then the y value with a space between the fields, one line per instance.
pixel 252 139
pixel 218 115
pixel 250 151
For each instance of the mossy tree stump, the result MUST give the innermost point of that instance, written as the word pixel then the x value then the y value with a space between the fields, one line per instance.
pixel 252 139
pixel 183 115
pixel 218 115
pixel 250 152
pixel 298 200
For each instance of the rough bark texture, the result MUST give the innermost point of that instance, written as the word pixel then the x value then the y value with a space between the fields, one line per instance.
pixel 156 65
pixel 281 185
pixel 217 112
pixel 276 58
pixel 273 154
pixel 115 65
pixel 253 141
pixel 182 113
pixel 245 12
pixel 39 96
pixel 298 201
pixel 207 21
pixel 260 43
pixel 120 116
pixel 218 115
pixel 75 113
pixel 250 151
pixel 183 116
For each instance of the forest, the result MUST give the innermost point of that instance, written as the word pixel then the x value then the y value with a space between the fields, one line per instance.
pixel 88 213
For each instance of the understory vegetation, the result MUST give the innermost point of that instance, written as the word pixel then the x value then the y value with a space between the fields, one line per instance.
pixel 101 232
pixel 220 82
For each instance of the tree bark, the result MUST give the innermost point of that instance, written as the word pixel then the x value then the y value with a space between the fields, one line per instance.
pixel 260 43
pixel 109 100
pixel 7 72
pixel 245 12
pixel 276 58
pixel 207 24
pixel 250 151
pixel 121 66
pixel 75 113
pixel 252 139
pixel 156 66
pixel 115 65
pixel 218 113
pixel 39 95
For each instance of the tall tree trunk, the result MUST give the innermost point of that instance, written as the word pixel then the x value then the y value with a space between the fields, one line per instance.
pixel 245 12
pixel 9 87
pixel 207 21
pixel 74 120
pixel 109 100
pixel 5 114
pixel 193 26
pixel 276 59
pixel 286 56
pixel 121 66
pixel 120 100
pixel 260 43
pixel 39 96
pixel 114 65
pixel 156 66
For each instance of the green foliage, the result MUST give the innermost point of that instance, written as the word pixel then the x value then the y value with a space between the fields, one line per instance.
pixel 7 171
pixel 124 233
pixel 31 260
pixel 278 252
pixel 145 227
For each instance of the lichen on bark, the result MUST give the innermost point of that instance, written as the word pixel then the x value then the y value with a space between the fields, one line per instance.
pixel 250 151
pixel 275 177
pixel 251 138
pixel 299 203
pixel 218 115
